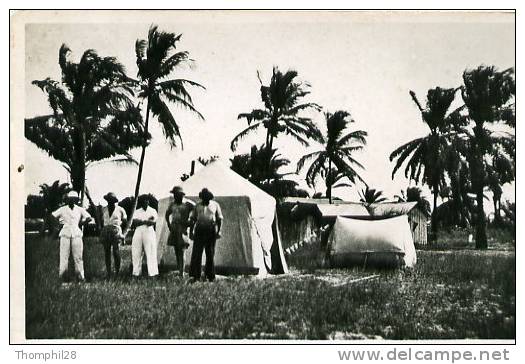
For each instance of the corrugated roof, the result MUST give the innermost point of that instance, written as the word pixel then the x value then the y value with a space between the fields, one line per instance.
pixel 391 208
pixel 310 201
pixel 345 209
pixel 348 209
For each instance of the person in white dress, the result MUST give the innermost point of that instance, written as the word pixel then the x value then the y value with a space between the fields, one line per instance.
pixel 144 238
pixel 72 217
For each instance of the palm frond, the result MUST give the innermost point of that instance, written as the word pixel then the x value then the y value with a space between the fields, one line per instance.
pixel 235 141
pixel 305 159
pixel 401 153
pixel 170 128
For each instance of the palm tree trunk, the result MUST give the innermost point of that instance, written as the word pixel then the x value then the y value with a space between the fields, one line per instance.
pixel 78 169
pixel 97 218
pixel 498 211
pixel 496 199
pixel 478 178
pixel 77 176
pixel 269 147
pixel 481 221
pixel 82 164
pixel 329 182
pixel 139 174
pixel 433 219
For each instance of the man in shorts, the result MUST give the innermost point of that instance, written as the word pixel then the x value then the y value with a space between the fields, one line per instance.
pixel 177 217
pixel 111 235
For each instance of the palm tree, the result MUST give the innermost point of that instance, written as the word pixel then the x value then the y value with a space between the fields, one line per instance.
pixel 336 152
pixel 93 117
pixel 254 167
pixel 371 195
pixel 509 208
pixel 489 97
pixel 500 169
pixel 283 103
pixel 157 57
pixel 415 194
pixel 426 157
pixel 334 178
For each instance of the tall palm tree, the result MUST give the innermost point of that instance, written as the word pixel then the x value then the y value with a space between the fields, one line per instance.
pixel 489 97
pixel 338 145
pixel 157 57
pixel 283 104
pixel 370 195
pixel 93 117
pixel 425 157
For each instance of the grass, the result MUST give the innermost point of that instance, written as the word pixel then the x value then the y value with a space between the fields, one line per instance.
pixel 449 295
pixel 498 239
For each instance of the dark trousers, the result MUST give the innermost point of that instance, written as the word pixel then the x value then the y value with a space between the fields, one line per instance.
pixel 179 255
pixel 110 240
pixel 204 241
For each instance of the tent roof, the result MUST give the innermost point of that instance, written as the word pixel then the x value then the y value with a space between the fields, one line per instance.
pixel 222 181
pixel 392 235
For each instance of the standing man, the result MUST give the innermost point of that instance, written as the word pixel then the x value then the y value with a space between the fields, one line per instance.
pixel 113 217
pixel 144 238
pixel 72 218
pixel 177 216
pixel 205 222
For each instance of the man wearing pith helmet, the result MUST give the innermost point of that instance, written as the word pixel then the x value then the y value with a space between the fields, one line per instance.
pixel 113 217
pixel 72 218
pixel 177 218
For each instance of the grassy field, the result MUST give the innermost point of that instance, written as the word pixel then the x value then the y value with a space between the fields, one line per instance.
pixel 450 294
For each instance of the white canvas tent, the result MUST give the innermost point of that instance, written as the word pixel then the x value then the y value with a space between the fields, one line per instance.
pixel 379 242
pixel 250 242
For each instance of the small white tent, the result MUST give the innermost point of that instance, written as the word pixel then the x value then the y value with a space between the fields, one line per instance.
pixel 250 241
pixel 374 242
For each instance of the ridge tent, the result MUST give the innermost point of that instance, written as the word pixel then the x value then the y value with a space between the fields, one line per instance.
pixel 386 242
pixel 250 242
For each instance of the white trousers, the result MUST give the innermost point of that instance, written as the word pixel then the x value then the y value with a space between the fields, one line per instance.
pixel 144 240
pixel 72 246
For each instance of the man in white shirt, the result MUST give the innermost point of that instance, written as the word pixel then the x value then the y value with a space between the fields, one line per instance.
pixel 71 217
pixel 144 238
pixel 205 224
pixel 111 235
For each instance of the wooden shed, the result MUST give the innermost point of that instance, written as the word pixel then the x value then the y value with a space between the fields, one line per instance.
pixel 417 218
pixel 304 220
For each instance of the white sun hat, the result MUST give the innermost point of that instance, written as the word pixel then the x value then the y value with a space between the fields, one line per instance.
pixel 72 194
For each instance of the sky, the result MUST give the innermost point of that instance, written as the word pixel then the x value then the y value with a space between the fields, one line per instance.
pixel 364 63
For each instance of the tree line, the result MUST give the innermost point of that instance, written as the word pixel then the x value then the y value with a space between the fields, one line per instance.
pixel 98 117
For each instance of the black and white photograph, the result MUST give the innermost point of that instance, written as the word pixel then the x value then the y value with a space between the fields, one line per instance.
pixel 263 176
